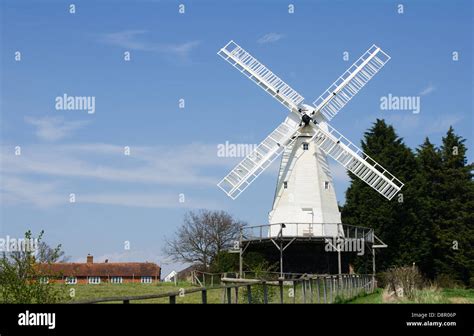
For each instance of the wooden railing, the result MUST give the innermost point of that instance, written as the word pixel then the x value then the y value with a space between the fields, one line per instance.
pixel 307 289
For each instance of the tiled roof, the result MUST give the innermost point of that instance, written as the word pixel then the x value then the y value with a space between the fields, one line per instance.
pixel 101 269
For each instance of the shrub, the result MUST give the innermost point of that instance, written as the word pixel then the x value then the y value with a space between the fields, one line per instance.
pixel 20 278
pixel 447 281
pixel 403 281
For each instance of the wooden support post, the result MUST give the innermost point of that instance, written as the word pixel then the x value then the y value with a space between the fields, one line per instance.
pixel 373 269
pixel 318 290
pixel 241 269
pixel 303 290
pixel 172 299
pixel 294 291
pixel 249 294
pixel 324 289
pixel 330 290
pixel 311 290
pixel 204 296
pixel 229 295
pixel 265 293
pixel 280 284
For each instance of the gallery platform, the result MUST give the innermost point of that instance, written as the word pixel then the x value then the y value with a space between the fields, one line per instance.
pixel 309 248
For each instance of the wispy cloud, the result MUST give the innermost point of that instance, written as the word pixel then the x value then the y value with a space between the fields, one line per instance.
pixel 159 164
pixel 405 123
pixel 170 170
pixel 270 38
pixel 426 91
pixel 54 128
pixel 136 40
pixel 18 190
pixel 147 200
pixel 442 123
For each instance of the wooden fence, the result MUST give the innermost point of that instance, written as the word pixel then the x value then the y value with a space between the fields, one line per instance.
pixel 306 289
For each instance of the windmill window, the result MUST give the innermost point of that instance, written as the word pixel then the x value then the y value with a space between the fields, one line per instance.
pixel 305 146
pixel 326 185
pixel 285 185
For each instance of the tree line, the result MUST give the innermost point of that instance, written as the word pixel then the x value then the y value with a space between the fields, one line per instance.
pixel 431 221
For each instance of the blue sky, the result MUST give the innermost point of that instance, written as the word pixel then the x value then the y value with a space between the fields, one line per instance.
pixel 174 151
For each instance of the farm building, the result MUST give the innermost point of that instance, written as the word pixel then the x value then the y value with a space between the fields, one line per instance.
pixel 96 273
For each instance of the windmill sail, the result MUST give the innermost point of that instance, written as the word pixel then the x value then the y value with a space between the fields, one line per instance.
pixel 351 82
pixel 256 162
pixel 261 75
pixel 356 161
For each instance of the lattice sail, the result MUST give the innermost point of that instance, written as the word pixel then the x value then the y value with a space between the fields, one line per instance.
pixel 351 82
pixel 356 161
pixel 256 162
pixel 261 75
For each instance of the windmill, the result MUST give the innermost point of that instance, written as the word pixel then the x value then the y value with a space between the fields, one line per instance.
pixel 305 192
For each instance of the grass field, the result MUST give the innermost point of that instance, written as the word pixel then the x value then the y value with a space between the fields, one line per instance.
pixel 91 292
pixel 446 295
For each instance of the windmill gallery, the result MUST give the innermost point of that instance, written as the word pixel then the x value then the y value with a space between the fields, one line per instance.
pixel 305 216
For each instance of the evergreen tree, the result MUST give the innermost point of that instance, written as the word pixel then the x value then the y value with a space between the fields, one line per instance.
pixel 395 222
pixel 428 183
pixel 454 229
pixel 431 222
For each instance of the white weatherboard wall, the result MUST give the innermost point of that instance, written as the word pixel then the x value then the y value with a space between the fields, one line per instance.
pixel 309 198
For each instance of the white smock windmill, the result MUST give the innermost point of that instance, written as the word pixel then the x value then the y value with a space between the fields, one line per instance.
pixel 305 192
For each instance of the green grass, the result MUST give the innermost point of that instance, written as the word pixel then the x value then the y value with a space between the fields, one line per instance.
pixel 457 295
pixel 91 292
pixel 375 297
pixel 84 292
pixel 428 295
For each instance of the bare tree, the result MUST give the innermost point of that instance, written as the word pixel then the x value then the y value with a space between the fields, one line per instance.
pixel 48 254
pixel 202 236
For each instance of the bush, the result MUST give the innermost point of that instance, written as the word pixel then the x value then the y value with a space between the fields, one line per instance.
pixel 20 278
pixel 403 281
pixel 447 281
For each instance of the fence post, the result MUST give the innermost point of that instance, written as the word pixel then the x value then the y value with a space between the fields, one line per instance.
pixel 351 286
pixel 317 288
pixel 303 290
pixel 330 289
pixel 280 284
pixel 294 291
pixel 265 293
pixel 229 295
pixel 204 296
pixel 172 299
pixel 236 295
pixel 324 289
pixel 249 294
pixel 311 290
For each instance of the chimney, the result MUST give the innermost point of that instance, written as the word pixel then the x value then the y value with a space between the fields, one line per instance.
pixel 90 259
